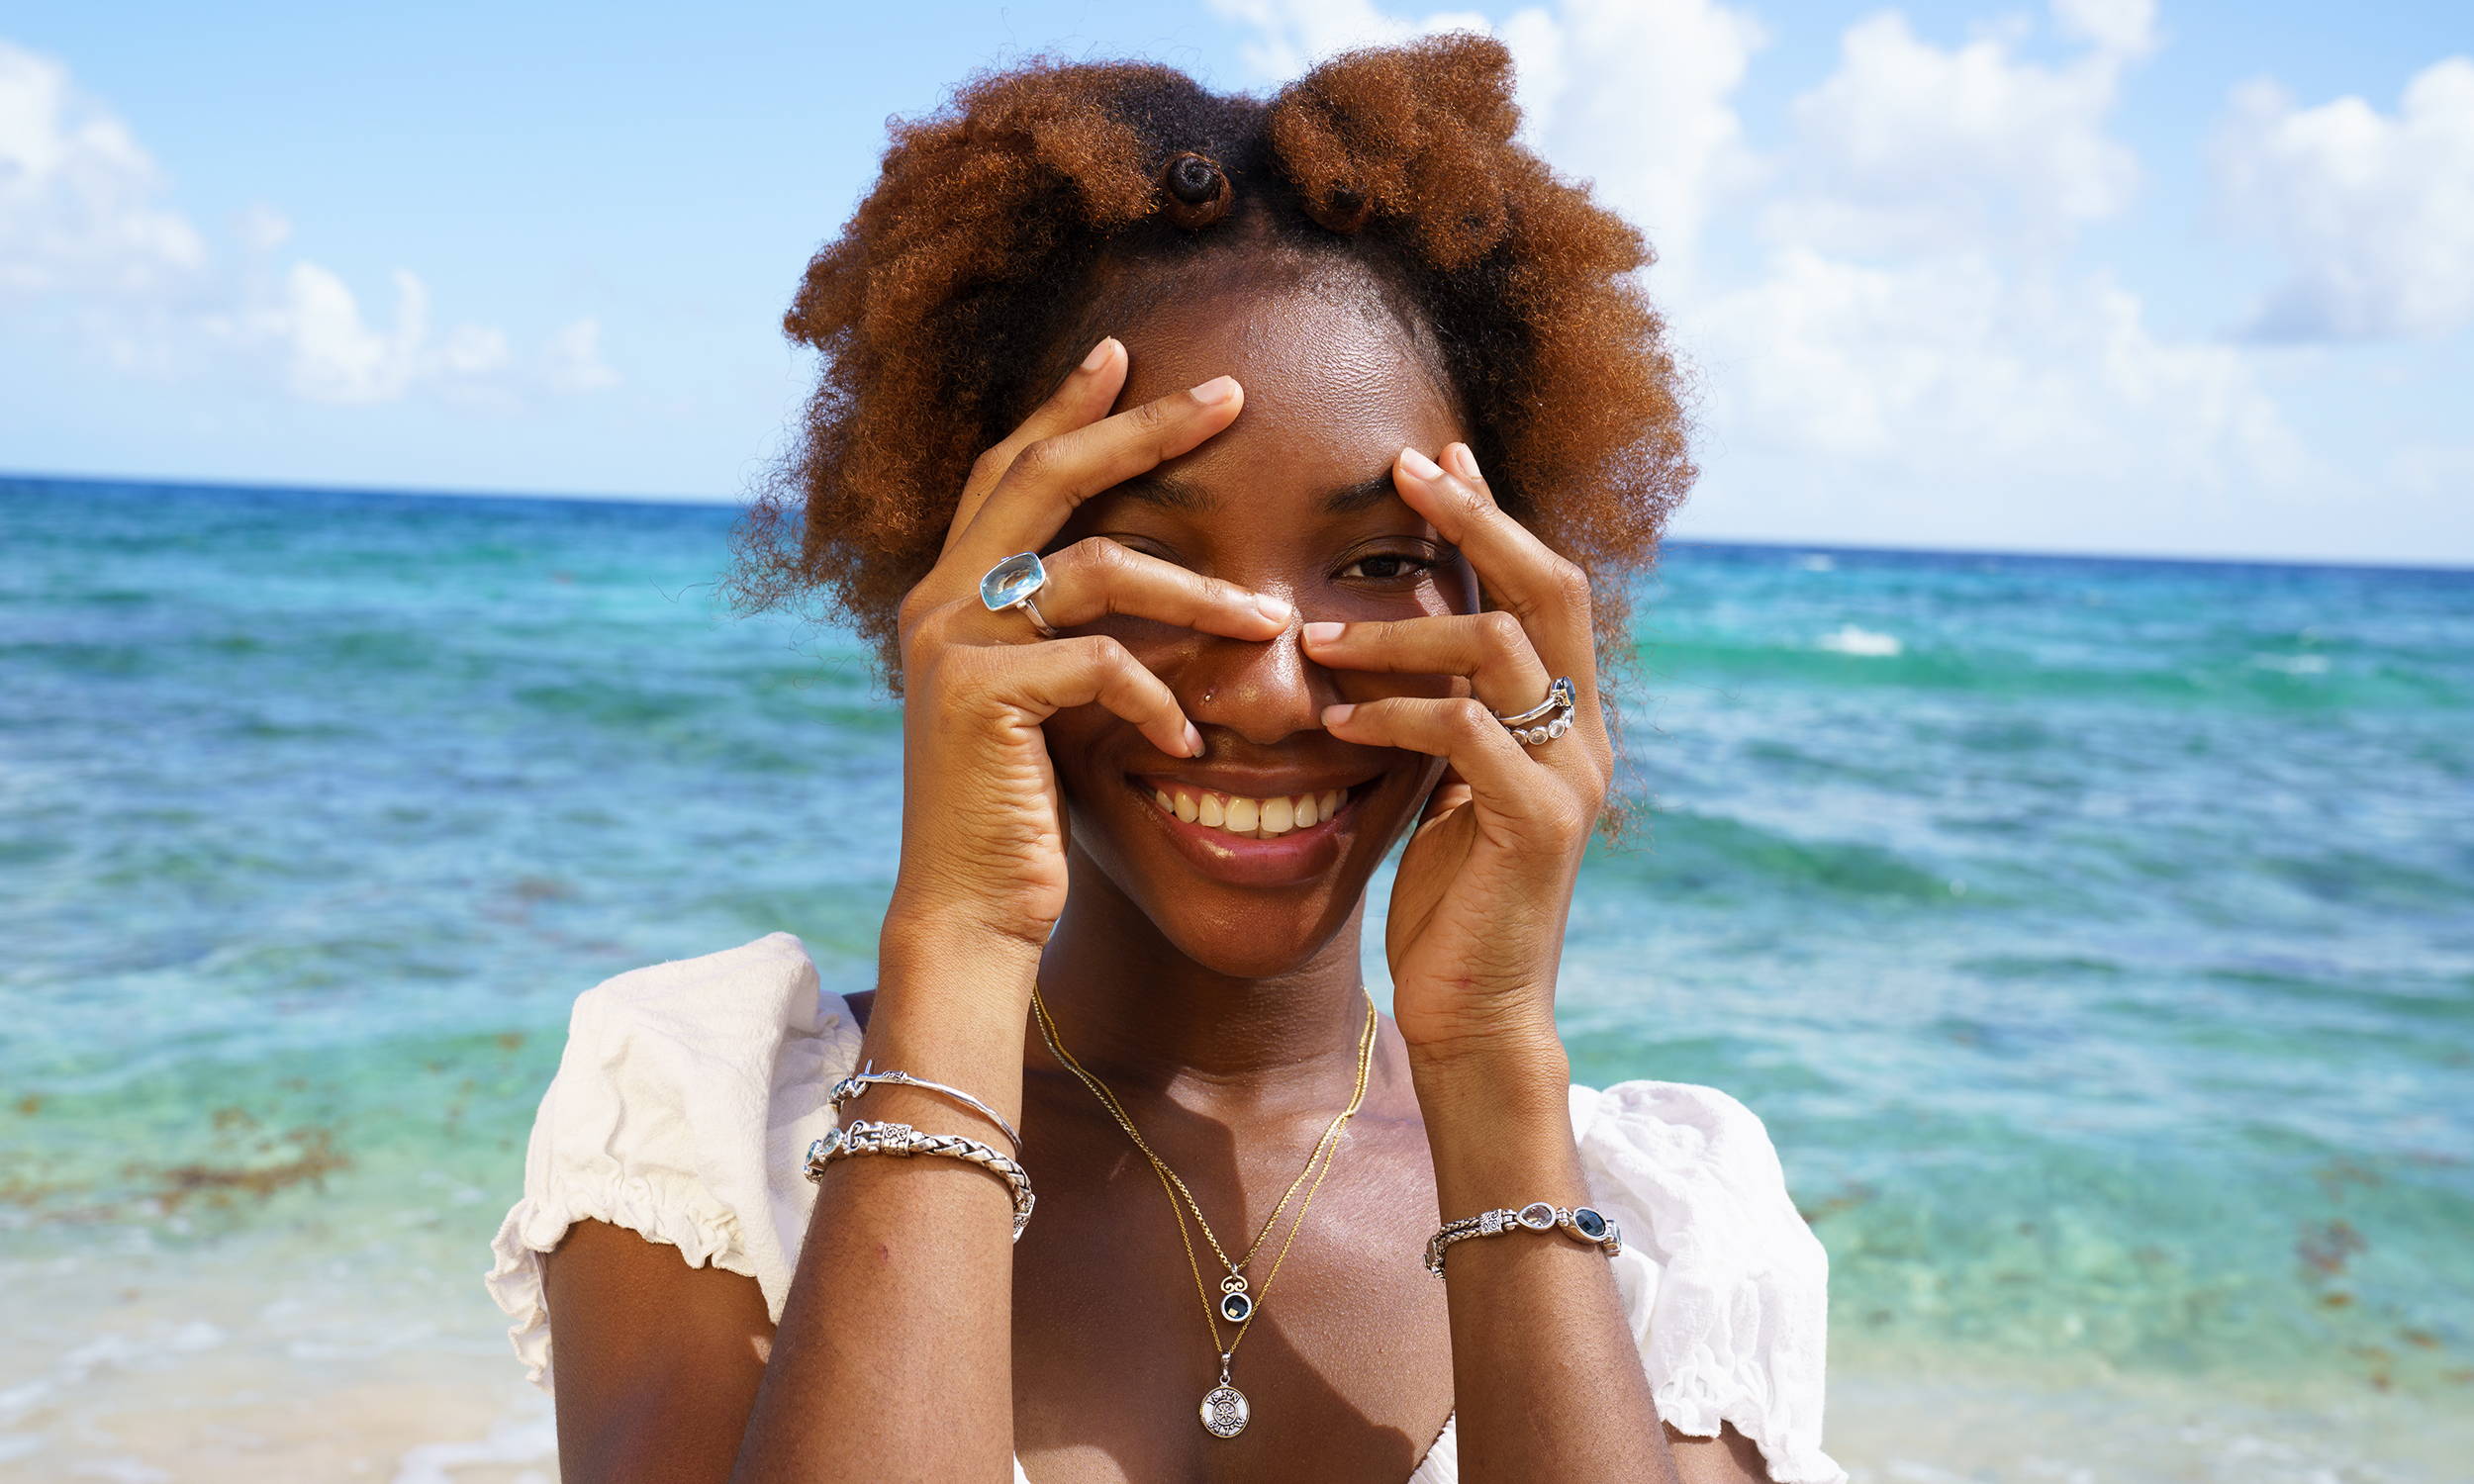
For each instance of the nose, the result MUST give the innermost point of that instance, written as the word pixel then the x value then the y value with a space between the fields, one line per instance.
pixel 1263 692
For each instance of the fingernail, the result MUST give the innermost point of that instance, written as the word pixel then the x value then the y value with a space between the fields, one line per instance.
pixel 1321 633
pixel 1337 714
pixel 1418 464
pixel 1194 741
pixel 1464 463
pixel 1217 390
pixel 1274 608
pixel 1098 354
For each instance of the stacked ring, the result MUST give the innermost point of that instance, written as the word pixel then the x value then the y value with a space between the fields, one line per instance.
pixel 1012 583
pixel 1533 727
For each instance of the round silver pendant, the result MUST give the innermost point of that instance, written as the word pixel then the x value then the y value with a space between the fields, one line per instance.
pixel 1236 1307
pixel 1224 1412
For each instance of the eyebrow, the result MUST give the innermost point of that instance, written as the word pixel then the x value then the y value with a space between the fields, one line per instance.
pixel 1169 492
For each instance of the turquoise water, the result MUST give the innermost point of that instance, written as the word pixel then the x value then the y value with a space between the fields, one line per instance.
pixel 2095 937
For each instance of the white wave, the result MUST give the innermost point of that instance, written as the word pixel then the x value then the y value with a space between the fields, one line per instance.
pixel 1867 642
pixel 2292 664
pixel 1817 561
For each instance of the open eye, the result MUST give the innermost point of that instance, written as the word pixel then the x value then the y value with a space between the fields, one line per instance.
pixel 1388 566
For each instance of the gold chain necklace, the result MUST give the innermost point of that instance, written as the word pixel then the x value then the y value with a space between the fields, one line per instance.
pixel 1224 1407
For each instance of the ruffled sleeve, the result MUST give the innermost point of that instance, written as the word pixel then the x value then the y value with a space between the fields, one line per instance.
pixel 685 1089
pixel 1724 1285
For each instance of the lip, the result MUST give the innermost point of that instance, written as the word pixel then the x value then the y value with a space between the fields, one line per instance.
pixel 1288 860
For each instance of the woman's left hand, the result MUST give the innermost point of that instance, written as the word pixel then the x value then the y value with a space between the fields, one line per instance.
pixel 1479 906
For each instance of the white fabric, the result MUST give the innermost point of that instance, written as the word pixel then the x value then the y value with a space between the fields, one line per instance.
pixel 688 1092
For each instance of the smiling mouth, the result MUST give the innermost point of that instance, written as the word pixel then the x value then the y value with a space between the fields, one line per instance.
pixel 1241 817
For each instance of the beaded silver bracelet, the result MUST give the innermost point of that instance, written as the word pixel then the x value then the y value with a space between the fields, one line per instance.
pixel 862 1137
pixel 1580 1223
pixel 858 1082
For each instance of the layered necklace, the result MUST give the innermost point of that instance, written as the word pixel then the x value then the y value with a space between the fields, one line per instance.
pixel 1224 1407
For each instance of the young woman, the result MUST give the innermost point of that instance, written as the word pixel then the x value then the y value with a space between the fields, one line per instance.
pixel 1322 414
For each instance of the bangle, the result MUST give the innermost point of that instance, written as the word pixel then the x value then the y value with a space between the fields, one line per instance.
pixel 903 1141
pixel 1580 1223
pixel 857 1083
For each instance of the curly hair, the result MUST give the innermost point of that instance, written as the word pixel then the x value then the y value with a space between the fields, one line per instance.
pixel 972 275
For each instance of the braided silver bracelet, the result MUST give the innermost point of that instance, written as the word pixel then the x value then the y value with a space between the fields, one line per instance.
pixel 1580 1223
pixel 862 1137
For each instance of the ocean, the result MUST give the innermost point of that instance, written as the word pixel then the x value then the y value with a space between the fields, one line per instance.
pixel 2095 937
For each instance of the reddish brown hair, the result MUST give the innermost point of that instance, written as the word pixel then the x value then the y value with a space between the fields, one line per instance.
pixel 969 279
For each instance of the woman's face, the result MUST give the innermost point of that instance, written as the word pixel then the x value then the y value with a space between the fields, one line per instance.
pixel 1293 498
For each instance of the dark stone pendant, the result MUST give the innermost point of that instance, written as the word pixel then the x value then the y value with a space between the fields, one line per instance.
pixel 1236 1307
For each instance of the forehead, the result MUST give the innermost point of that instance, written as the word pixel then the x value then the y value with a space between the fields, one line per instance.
pixel 1335 385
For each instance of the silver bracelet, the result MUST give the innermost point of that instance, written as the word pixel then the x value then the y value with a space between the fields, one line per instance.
pixel 1580 1223
pixel 900 1138
pixel 857 1083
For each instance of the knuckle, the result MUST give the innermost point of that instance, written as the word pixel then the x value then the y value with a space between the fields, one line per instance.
pixel 1501 633
pixel 1100 554
pixel 1471 720
pixel 1037 459
pixel 924 619
pixel 1572 583
pixel 992 464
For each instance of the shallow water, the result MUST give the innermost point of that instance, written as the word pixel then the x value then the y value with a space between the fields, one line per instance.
pixel 2096 939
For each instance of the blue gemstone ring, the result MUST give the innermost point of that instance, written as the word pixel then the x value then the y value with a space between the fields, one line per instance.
pixel 1012 583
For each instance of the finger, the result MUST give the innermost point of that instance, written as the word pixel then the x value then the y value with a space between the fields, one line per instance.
pixel 1548 593
pixel 1082 398
pixel 1491 648
pixel 1052 476
pixel 1097 577
pixel 1460 730
pixel 1093 669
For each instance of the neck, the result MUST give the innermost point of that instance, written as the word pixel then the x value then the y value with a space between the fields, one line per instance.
pixel 1146 1018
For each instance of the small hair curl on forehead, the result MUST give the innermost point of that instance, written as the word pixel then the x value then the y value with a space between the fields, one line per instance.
pixel 955 294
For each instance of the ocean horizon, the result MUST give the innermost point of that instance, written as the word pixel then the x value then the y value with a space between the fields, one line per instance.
pixel 104 482
pixel 2094 935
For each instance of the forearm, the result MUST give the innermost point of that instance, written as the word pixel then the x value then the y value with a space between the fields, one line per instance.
pixel 1546 1377
pixel 893 1355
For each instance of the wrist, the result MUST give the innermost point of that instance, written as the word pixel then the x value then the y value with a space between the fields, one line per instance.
pixel 1498 1124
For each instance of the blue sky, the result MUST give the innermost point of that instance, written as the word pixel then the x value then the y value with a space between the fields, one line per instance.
pixel 2095 275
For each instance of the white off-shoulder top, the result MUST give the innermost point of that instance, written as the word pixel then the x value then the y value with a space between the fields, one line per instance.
pixel 688 1092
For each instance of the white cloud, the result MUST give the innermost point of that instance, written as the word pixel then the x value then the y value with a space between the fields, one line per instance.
pixel 1994 405
pixel 2124 28
pixel 1910 148
pixel 573 361
pixel 262 228
pixel 1629 94
pixel 1913 354
pixel 81 202
pixel 2375 214
pixel 85 219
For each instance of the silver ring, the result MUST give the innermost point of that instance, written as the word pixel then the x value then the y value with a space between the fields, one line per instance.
pixel 1012 583
pixel 1557 705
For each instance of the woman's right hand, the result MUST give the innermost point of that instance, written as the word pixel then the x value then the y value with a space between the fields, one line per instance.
pixel 984 833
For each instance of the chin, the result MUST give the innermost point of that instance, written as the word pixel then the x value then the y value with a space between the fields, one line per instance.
pixel 1246 874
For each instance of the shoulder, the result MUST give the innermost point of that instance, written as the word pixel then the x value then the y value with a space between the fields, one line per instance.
pixel 1725 1285
pixel 682 1100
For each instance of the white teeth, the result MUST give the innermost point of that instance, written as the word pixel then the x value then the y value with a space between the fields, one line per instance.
pixel 1254 819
